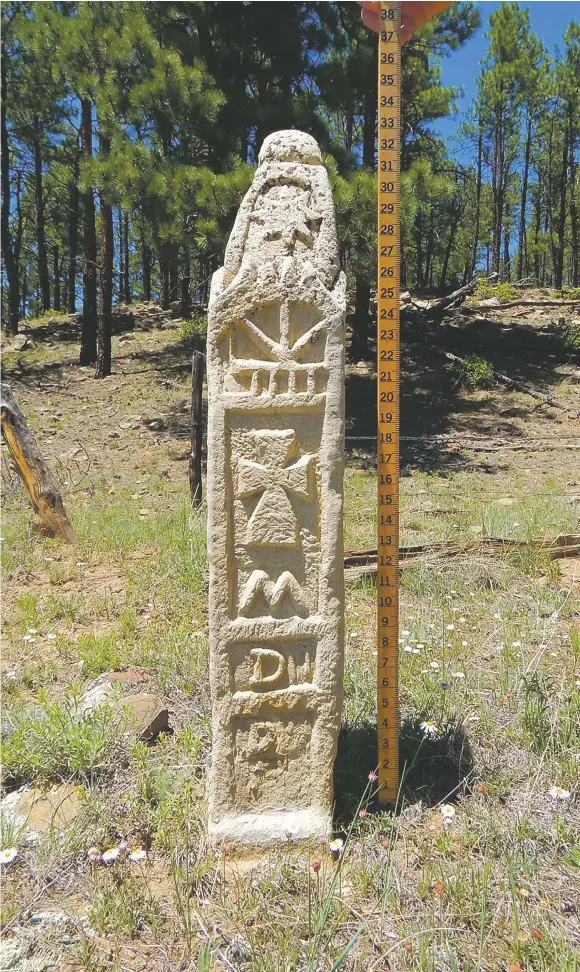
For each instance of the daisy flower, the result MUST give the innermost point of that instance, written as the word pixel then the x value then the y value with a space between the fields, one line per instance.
pixel 110 855
pixel 138 855
pixel 559 793
pixel 8 854
pixel 335 847
pixel 429 728
pixel 448 813
pixel 451 627
pixel 94 855
pixel 457 675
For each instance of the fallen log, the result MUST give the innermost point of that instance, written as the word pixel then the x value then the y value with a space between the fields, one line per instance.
pixel 363 563
pixel 45 500
pixel 526 302
pixel 438 308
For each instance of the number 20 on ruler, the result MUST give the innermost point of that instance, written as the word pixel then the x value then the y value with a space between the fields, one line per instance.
pixel 388 372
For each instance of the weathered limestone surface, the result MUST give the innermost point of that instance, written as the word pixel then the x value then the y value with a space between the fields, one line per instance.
pixel 275 466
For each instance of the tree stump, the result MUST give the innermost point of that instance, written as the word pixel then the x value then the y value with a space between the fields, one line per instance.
pixel 46 502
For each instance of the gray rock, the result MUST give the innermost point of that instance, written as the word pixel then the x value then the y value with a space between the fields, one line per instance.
pixel 20 343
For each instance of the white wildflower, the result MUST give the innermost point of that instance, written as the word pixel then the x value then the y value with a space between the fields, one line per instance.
pixel 559 793
pixel 429 728
pixel 7 855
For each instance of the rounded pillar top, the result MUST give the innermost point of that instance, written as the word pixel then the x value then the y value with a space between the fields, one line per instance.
pixel 290 145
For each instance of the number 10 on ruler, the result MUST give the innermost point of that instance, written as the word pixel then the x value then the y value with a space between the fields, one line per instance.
pixel 388 375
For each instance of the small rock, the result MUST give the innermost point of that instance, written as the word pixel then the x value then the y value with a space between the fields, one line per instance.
pixel 20 343
pixel 41 811
pixel 490 302
pixel 145 714
pixel 97 696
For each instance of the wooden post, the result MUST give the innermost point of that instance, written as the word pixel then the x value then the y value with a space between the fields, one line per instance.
pixel 30 466
pixel 197 370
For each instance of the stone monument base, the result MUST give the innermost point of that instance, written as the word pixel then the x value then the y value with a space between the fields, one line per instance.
pixel 271 827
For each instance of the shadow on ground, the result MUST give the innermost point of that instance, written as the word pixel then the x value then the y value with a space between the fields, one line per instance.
pixel 432 770
pixel 431 400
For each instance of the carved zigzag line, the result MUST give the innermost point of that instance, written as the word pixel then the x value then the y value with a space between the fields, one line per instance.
pixel 259 581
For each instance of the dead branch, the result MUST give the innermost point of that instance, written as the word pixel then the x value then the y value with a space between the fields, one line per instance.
pixel 363 563
pixel 30 466
pixel 526 302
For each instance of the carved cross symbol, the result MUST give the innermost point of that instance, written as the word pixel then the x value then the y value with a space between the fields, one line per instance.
pixel 273 523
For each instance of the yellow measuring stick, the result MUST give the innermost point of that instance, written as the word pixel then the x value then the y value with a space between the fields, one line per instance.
pixel 388 373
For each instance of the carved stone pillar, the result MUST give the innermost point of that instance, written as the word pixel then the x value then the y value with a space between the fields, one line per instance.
pixel 275 364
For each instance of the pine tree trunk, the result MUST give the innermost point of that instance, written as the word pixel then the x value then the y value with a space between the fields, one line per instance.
pixel 107 256
pixel 185 285
pixel 56 275
pixel 524 199
pixel 146 258
pixel 173 277
pixel 126 283
pixel 359 348
pixel 429 249
pixel 73 232
pixel 419 247
pixel 370 127
pixel 164 271
pixel 449 247
pixel 575 241
pixel 498 192
pixel 24 297
pixel 559 251
pixel 88 351
pixel 8 244
pixel 473 261
pixel 43 277
pixel 537 228
pixel 121 258
pixel 506 251
pixel 105 316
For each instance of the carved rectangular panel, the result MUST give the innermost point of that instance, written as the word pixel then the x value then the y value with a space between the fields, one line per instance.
pixel 275 466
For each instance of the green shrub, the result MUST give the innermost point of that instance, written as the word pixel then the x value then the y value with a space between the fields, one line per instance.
pixel 567 332
pixel 474 372
pixel 58 741
pixel 99 653
pixel 194 330
pixel 503 291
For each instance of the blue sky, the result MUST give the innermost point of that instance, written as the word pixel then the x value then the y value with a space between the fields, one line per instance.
pixel 549 20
